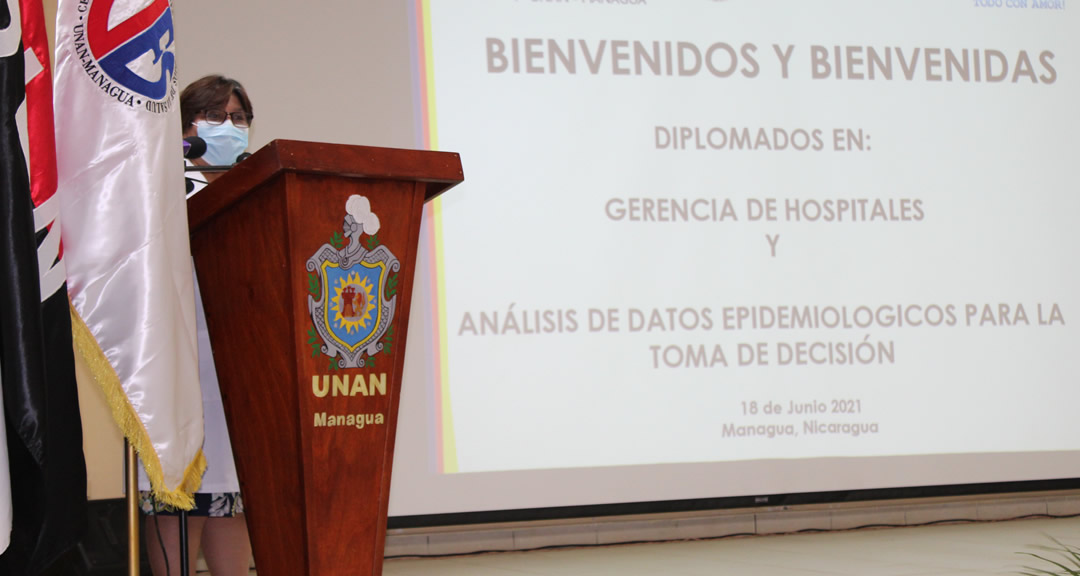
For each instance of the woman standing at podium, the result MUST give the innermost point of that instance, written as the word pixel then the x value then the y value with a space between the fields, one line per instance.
pixel 216 109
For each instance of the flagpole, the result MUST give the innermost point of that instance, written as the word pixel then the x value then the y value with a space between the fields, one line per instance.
pixel 132 481
pixel 183 543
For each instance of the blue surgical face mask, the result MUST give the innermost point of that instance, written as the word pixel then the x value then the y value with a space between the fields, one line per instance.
pixel 224 142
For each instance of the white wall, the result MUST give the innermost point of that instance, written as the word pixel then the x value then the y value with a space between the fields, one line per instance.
pixel 324 70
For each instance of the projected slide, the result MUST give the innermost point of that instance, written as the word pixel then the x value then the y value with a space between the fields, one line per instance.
pixel 703 231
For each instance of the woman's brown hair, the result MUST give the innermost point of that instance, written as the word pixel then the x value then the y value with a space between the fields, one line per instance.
pixel 208 93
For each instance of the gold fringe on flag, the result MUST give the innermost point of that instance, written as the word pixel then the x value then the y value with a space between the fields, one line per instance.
pixel 104 374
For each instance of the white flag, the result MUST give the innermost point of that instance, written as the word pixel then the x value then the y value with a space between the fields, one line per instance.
pixel 125 235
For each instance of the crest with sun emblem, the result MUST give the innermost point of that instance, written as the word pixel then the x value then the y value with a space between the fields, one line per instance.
pixel 352 291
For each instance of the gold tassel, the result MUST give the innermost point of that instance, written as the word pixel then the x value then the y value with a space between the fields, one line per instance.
pixel 128 421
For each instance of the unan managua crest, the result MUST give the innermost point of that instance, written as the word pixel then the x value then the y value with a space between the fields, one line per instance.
pixel 352 292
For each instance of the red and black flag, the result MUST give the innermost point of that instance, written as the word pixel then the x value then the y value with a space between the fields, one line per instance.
pixel 37 370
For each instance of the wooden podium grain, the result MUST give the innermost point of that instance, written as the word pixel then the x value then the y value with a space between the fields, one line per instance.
pixel 315 495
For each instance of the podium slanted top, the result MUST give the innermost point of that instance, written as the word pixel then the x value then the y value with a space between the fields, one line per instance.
pixel 440 171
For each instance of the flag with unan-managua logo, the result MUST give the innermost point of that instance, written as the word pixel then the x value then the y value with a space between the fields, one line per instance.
pixel 121 185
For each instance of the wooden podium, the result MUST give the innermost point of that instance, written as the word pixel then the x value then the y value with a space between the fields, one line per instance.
pixel 305 255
